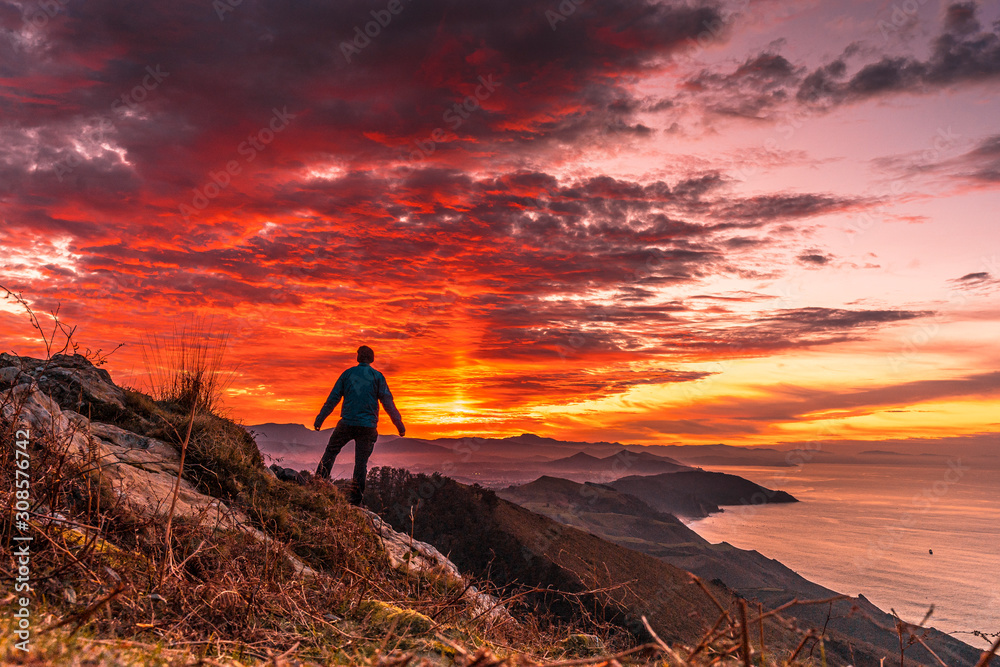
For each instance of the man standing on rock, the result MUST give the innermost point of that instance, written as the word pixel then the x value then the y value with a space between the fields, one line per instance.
pixel 362 388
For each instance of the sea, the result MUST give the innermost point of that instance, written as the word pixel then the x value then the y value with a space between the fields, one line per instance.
pixel 908 538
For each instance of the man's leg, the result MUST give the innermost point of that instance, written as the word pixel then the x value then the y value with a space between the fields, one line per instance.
pixel 341 436
pixel 364 443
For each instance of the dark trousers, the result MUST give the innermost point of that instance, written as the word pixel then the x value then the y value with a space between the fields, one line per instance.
pixel 364 442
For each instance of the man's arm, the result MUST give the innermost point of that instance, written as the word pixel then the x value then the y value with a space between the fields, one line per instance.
pixel 331 402
pixel 385 398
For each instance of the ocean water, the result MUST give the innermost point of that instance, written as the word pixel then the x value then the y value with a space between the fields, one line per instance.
pixel 870 529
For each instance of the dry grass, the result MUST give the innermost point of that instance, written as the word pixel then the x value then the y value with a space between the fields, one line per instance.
pixel 187 368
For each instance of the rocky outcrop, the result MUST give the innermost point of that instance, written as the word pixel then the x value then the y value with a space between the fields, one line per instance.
pixel 421 559
pixel 70 379
pixel 142 471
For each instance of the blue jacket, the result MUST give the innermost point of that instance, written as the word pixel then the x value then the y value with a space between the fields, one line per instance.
pixel 362 388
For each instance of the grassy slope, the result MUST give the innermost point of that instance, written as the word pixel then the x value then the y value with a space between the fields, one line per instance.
pixel 537 551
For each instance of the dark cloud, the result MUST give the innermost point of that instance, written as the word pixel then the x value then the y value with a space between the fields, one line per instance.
pixel 979 165
pixel 804 327
pixel 766 86
pixel 977 281
pixel 787 206
pixel 519 389
pixel 358 99
pixel 814 258
pixel 962 53
pixel 983 162
pixel 826 319
pixel 752 90
pixel 960 18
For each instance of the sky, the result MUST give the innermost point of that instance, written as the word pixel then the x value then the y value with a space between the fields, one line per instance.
pixel 748 221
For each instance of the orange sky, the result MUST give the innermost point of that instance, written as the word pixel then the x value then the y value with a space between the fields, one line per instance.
pixel 721 222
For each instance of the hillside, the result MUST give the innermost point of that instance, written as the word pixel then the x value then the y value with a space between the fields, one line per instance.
pixel 484 534
pixel 697 493
pixel 459 520
pixel 629 522
pixel 600 509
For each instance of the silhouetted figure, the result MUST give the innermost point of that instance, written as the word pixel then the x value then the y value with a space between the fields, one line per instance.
pixel 362 388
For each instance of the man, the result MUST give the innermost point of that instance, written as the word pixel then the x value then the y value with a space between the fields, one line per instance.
pixel 362 388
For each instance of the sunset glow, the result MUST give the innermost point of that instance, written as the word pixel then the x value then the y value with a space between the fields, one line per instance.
pixel 654 223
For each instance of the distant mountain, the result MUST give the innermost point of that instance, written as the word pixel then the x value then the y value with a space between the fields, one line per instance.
pixel 589 505
pixel 579 461
pixel 299 446
pixel 498 462
pixel 617 464
pixel 288 433
pixel 728 455
pixel 697 493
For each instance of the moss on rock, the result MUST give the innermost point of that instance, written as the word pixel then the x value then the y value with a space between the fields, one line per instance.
pixel 384 616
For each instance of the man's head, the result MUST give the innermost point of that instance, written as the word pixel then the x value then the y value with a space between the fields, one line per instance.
pixel 366 355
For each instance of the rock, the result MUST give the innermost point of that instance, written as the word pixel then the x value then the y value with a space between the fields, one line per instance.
pixel 70 379
pixel 8 360
pixel 33 409
pixel 77 384
pixel 11 375
pixel 287 474
pixel 409 555
pixel 583 644
pixel 68 592
pixel 419 558
pixel 142 471
pixel 385 616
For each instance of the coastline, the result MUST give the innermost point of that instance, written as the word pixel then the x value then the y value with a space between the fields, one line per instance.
pixel 849 540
